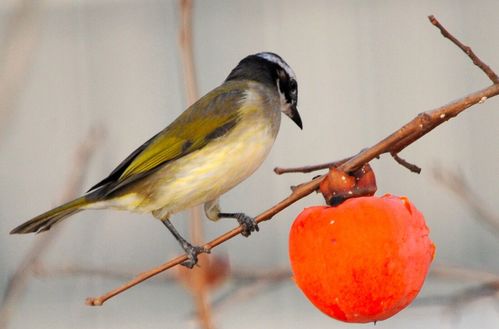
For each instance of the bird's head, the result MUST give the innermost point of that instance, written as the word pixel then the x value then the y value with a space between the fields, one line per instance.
pixel 270 69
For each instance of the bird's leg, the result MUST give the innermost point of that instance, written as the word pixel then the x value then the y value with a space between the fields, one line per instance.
pixel 191 251
pixel 212 210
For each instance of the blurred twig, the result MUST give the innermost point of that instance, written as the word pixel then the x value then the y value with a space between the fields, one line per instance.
pixel 16 55
pixel 186 51
pixel 393 144
pixel 486 285
pixel 18 281
pixel 113 273
pixel 463 274
pixel 463 297
pixel 254 282
pixel 198 276
pixel 243 276
pixel 457 184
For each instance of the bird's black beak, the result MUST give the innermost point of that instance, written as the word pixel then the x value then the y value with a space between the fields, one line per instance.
pixel 292 113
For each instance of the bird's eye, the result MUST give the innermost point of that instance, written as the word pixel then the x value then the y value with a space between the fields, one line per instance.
pixel 293 87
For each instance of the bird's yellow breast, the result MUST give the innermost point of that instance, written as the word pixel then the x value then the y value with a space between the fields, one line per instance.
pixel 224 162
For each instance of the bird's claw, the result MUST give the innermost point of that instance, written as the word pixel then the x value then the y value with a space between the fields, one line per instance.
pixel 248 224
pixel 192 253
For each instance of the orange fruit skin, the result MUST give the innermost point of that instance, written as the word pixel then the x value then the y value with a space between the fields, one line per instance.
pixel 362 261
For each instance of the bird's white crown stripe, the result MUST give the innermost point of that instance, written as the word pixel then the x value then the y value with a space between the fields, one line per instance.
pixel 274 59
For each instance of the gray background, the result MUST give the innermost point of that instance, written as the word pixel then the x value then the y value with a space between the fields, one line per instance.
pixel 364 68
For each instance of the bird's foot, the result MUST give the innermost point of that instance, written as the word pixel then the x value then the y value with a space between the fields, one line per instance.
pixel 248 224
pixel 192 253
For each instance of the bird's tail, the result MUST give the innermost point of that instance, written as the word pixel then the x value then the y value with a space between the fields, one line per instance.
pixel 45 221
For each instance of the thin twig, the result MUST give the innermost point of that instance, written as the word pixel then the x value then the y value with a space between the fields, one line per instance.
pixel 404 163
pixel 19 280
pixel 397 141
pixel 16 55
pixel 476 60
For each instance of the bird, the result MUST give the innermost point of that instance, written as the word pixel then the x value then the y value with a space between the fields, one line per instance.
pixel 214 145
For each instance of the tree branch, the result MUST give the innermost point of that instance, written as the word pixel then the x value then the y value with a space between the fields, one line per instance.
pixel 477 61
pixel 394 143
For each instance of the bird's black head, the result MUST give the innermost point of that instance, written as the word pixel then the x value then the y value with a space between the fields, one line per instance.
pixel 270 69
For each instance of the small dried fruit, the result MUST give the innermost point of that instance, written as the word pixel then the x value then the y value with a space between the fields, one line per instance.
pixel 339 186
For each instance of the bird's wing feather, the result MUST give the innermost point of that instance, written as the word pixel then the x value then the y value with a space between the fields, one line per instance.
pixel 118 171
pixel 209 118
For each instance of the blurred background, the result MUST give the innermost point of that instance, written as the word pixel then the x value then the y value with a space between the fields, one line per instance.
pixel 85 82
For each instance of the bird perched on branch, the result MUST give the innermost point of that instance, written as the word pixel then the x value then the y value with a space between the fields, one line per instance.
pixel 211 147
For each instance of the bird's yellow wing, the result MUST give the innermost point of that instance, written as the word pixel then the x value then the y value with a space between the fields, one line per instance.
pixel 211 117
